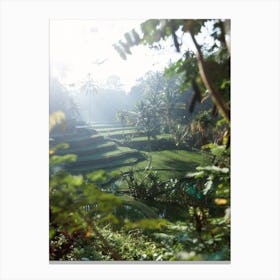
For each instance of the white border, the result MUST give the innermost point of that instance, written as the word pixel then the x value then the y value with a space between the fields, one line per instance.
pixel 24 138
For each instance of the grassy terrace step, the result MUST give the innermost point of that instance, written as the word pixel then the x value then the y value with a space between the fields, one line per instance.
pixel 112 165
pixel 104 160
pixel 173 162
pixel 78 133
pixel 175 159
pixel 104 125
pixel 83 137
pixel 144 138
pixel 90 149
pixel 82 142
pixel 73 139
pixel 162 142
pixel 118 151
pixel 112 129
pixel 119 132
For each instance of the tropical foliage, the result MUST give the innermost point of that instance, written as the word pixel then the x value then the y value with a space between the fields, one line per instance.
pixel 156 185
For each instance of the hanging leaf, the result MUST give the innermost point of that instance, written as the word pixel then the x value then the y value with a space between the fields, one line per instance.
pixel 135 37
pixel 195 174
pixel 208 185
pixel 128 39
pixel 213 168
pixel 120 51
pixel 125 47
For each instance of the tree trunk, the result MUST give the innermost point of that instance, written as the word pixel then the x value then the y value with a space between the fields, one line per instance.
pixel 208 83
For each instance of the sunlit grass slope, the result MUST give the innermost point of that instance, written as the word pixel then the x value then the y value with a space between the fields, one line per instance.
pixel 97 147
pixel 94 151
pixel 171 163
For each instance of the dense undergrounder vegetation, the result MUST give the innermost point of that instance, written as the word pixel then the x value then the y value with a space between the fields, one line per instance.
pixel 149 179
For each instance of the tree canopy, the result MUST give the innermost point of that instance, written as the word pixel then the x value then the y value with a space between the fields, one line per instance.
pixel 207 69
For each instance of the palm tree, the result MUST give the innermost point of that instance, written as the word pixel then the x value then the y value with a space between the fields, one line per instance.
pixel 89 88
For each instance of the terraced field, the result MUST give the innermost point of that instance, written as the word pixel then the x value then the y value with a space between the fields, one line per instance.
pixel 165 157
pixel 96 150
pixel 116 131
pixel 172 163
pixel 111 146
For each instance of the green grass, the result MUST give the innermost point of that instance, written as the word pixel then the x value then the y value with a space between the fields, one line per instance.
pixel 79 140
pixel 83 137
pixel 112 129
pixel 174 162
pixel 118 151
pixel 118 132
pixel 144 138
pixel 96 152
pixel 114 165
pixel 105 125
pixel 178 161
pixel 90 147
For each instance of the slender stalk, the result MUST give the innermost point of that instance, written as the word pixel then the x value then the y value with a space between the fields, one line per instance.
pixel 207 81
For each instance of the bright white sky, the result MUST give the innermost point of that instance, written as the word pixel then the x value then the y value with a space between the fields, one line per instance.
pixel 75 46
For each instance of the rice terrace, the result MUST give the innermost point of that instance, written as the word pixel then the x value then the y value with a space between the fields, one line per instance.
pixel 139 140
